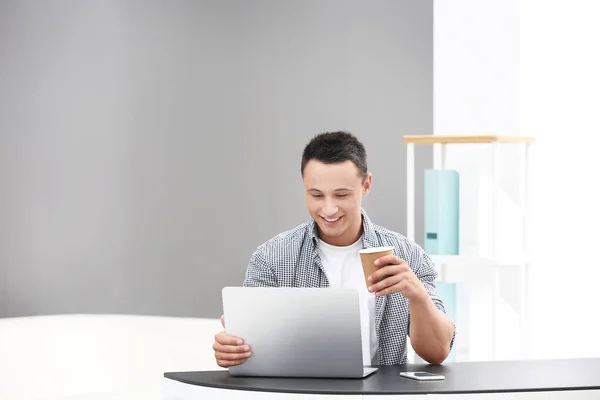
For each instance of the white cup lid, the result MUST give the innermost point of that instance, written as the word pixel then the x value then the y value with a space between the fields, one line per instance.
pixel 375 249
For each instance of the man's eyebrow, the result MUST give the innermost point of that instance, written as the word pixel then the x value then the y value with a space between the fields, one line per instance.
pixel 336 190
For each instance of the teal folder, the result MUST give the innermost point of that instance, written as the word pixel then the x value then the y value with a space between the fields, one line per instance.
pixel 447 292
pixel 441 211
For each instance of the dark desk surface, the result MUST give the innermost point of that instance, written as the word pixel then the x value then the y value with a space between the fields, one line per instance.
pixel 469 377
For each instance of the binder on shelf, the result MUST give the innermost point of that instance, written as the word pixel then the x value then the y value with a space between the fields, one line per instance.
pixel 441 211
pixel 447 292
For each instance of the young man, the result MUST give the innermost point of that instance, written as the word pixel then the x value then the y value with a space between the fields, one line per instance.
pixel 324 253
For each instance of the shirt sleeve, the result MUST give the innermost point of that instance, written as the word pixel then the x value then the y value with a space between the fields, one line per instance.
pixel 259 273
pixel 425 271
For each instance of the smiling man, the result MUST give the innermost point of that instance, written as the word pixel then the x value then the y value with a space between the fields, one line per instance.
pixel 324 252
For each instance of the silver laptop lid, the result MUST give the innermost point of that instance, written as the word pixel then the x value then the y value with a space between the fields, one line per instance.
pixel 296 332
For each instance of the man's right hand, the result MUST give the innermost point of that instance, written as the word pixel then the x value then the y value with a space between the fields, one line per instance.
pixel 229 350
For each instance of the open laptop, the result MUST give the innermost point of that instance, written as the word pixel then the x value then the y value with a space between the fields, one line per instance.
pixel 296 332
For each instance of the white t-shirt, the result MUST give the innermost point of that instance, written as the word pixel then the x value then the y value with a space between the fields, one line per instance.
pixel 344 270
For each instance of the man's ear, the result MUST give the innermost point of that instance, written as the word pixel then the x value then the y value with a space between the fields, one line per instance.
pixel 367 184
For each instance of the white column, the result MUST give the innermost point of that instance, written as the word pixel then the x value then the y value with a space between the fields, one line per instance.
pixel 525 263
pixel 410 218
pixel 495 168
pixel 468 102
pixel 443 154
pixel 410 191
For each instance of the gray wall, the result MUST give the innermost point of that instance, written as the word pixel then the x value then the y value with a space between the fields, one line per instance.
pixel 148 147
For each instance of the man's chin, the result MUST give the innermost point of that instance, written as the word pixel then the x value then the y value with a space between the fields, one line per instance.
pixel 331 230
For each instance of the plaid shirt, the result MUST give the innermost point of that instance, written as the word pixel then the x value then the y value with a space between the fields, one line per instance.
pixel 290 259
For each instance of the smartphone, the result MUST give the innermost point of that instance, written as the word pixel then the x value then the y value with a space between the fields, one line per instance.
pixel 422 376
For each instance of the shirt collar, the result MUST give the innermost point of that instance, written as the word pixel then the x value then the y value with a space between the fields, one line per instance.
pixel 369 235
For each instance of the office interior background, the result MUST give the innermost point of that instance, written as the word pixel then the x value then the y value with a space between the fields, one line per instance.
pixel 147 148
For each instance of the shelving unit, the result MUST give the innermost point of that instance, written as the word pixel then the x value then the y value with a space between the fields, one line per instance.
pixel 455 268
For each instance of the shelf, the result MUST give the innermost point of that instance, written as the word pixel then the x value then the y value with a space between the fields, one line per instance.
pixel 456 268
pixel 462 260
pixel 475 260
pixel 467 139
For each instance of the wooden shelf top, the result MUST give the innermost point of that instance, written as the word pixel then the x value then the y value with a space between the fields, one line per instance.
pixel 467 139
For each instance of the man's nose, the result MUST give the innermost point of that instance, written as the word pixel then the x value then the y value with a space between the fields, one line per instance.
pixel 330 208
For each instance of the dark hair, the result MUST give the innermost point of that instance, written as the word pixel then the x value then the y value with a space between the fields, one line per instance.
pixel 336 147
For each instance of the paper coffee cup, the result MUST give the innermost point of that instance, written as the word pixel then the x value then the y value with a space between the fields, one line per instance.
pixel 368 257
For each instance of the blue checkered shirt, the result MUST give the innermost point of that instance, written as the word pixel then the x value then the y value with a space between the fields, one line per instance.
pixel 290 259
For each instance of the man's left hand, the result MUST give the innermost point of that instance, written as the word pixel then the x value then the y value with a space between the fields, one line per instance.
pixel 395 275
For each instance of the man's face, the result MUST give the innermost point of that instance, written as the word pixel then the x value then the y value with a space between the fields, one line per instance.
pixel 334 195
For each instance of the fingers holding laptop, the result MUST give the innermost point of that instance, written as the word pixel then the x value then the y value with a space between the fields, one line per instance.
pixel 230 350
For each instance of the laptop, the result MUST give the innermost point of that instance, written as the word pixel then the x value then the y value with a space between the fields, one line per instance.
pixel 296 332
